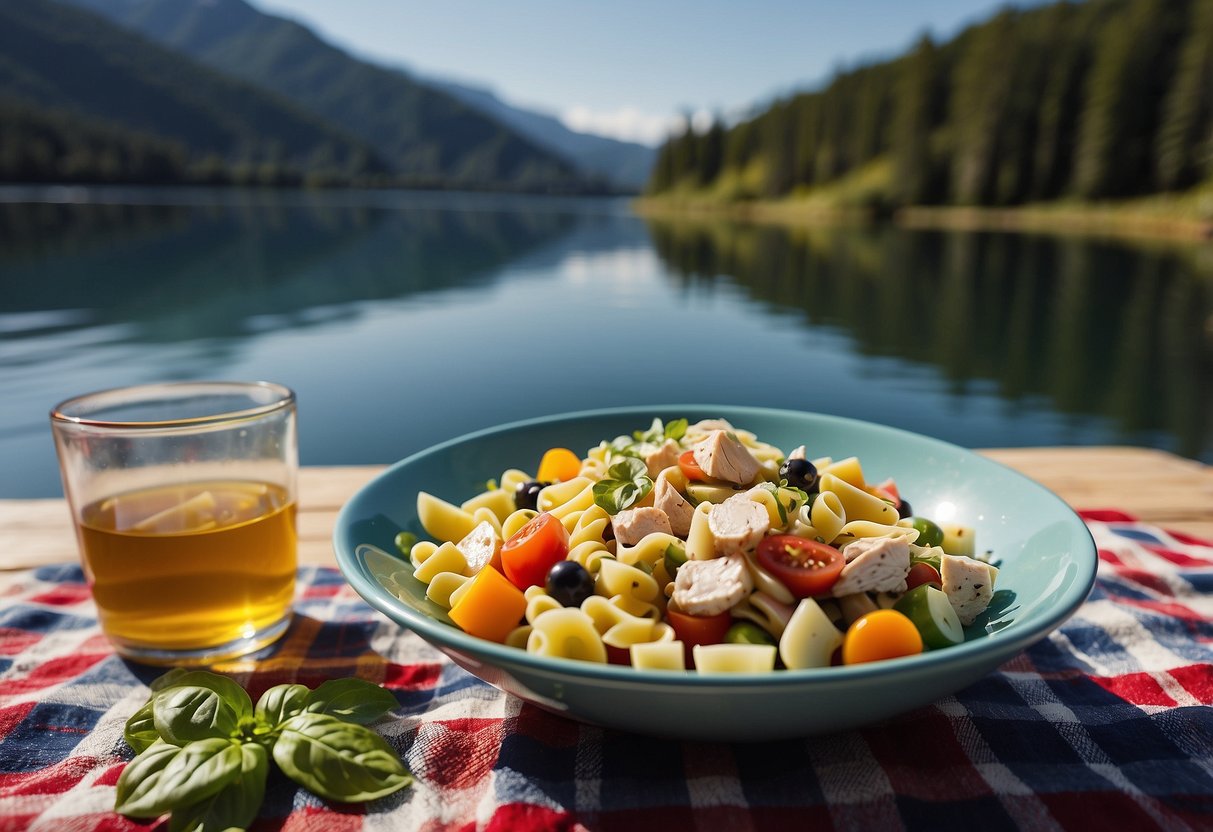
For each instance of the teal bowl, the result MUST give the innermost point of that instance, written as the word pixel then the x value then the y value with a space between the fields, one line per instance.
pixel 1046 555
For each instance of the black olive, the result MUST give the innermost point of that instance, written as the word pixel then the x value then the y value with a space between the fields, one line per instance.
pixel 904 510
pixel 800 473
pixel 527 495
pixel 569 583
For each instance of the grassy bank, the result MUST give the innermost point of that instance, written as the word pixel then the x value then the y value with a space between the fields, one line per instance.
pixel 853 199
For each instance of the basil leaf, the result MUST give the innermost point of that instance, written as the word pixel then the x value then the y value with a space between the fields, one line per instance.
pixel 625 484
pixel 140 730
pixel 338 760
pixel 183 715
pixel 354 700
pixel 169 679
pixel 235 805
pixel 676 429
pixel 280 703
pixel 177 778
pixel 231 692
pixel 139 782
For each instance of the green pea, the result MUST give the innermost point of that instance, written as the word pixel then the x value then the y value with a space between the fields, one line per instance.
pixel 404 542
pixel 929 534
pixel 744 632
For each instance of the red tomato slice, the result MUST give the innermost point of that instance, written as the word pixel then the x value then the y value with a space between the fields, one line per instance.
pixel 533 550
pixel 690 468
pixel 804 566
pixel 923 573
pixel 698 629
pixel 889 487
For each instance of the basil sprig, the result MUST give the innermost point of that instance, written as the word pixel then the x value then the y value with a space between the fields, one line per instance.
pixel 625 484
pixel 203 748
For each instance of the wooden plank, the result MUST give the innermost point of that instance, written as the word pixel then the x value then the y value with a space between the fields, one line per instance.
pixel 1156 486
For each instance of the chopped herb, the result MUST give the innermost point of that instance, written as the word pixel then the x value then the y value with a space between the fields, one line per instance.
pixel 626 483
pixel 676 429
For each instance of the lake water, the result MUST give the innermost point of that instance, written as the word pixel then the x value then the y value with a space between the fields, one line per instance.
pixel 405 319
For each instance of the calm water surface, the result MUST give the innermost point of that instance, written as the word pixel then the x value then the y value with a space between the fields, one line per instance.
pixel 405 319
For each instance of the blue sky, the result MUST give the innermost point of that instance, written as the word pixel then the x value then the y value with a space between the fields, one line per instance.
pixel 629 67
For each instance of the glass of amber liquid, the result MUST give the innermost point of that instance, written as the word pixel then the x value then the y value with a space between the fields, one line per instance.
pixel 183 498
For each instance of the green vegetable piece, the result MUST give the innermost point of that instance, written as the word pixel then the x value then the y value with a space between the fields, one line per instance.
pixel 354 700
pixel 933 616
pixel 280 703
pixel 235 696
pixel 676 429
pixel 929 534
pixel 338 760
pixel 164 777
pixel 405 542
pixel 140 730
pixel 746 632
pixel 234 806
pixel 675 556
pixel 625 484
pixel 183 715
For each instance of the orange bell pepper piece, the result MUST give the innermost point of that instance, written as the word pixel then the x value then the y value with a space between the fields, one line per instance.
pixel 490 607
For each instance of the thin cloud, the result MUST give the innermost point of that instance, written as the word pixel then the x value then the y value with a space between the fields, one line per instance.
pixel 625 123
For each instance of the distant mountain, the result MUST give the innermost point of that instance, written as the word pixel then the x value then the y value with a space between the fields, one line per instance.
pixel 423 134
pixel 626 165
pixel 67 64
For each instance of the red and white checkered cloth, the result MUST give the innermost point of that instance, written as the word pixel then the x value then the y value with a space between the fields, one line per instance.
pixel 1104 725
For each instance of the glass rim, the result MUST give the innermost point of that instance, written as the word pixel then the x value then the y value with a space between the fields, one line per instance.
pixel 284 397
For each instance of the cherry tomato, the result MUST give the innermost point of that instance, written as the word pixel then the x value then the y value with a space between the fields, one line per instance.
pixel 698 629
pixel 533 550
pixel 881 634
pixel 804 566
pixel 690 468
pixel 923 573
pixel 889 490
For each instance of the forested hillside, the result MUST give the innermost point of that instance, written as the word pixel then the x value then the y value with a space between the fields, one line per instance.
pixel 425 136
pixel 1096 100
pixel 84 100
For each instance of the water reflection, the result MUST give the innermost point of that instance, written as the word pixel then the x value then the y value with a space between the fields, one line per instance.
pixel 403 320
pixel 1095 328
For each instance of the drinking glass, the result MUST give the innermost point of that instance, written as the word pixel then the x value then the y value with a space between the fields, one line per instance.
pixel 183 497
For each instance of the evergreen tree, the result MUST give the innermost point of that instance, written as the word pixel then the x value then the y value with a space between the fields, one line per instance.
pixel 1184 148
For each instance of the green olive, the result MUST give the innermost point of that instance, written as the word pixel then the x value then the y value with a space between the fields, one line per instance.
pixel 744 632
pixel 929 534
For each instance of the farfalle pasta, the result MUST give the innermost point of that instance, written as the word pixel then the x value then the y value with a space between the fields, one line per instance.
pixel 700 546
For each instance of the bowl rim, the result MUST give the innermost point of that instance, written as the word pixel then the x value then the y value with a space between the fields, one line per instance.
pixel 1001 644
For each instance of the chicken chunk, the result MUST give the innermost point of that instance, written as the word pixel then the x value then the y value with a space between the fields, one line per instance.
pixel 738 524
pixel 723 457
pixel 677 509
pixel 662 457
pixel 969 585
pixel 709 587
pixel 877 564
pixel 631 525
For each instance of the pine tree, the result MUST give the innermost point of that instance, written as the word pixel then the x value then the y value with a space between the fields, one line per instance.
pixel 1185 138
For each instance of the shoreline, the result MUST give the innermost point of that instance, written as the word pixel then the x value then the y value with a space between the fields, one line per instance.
pixel 1114 220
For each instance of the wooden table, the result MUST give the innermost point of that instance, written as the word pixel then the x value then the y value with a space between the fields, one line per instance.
pixel 1156 486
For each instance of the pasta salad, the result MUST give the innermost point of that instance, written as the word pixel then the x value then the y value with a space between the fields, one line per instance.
pixel 699 546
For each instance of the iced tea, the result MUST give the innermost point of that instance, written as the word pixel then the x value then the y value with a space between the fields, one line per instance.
pixel 188 567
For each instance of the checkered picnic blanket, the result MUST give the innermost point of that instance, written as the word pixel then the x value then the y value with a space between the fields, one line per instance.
pixel 1104 725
